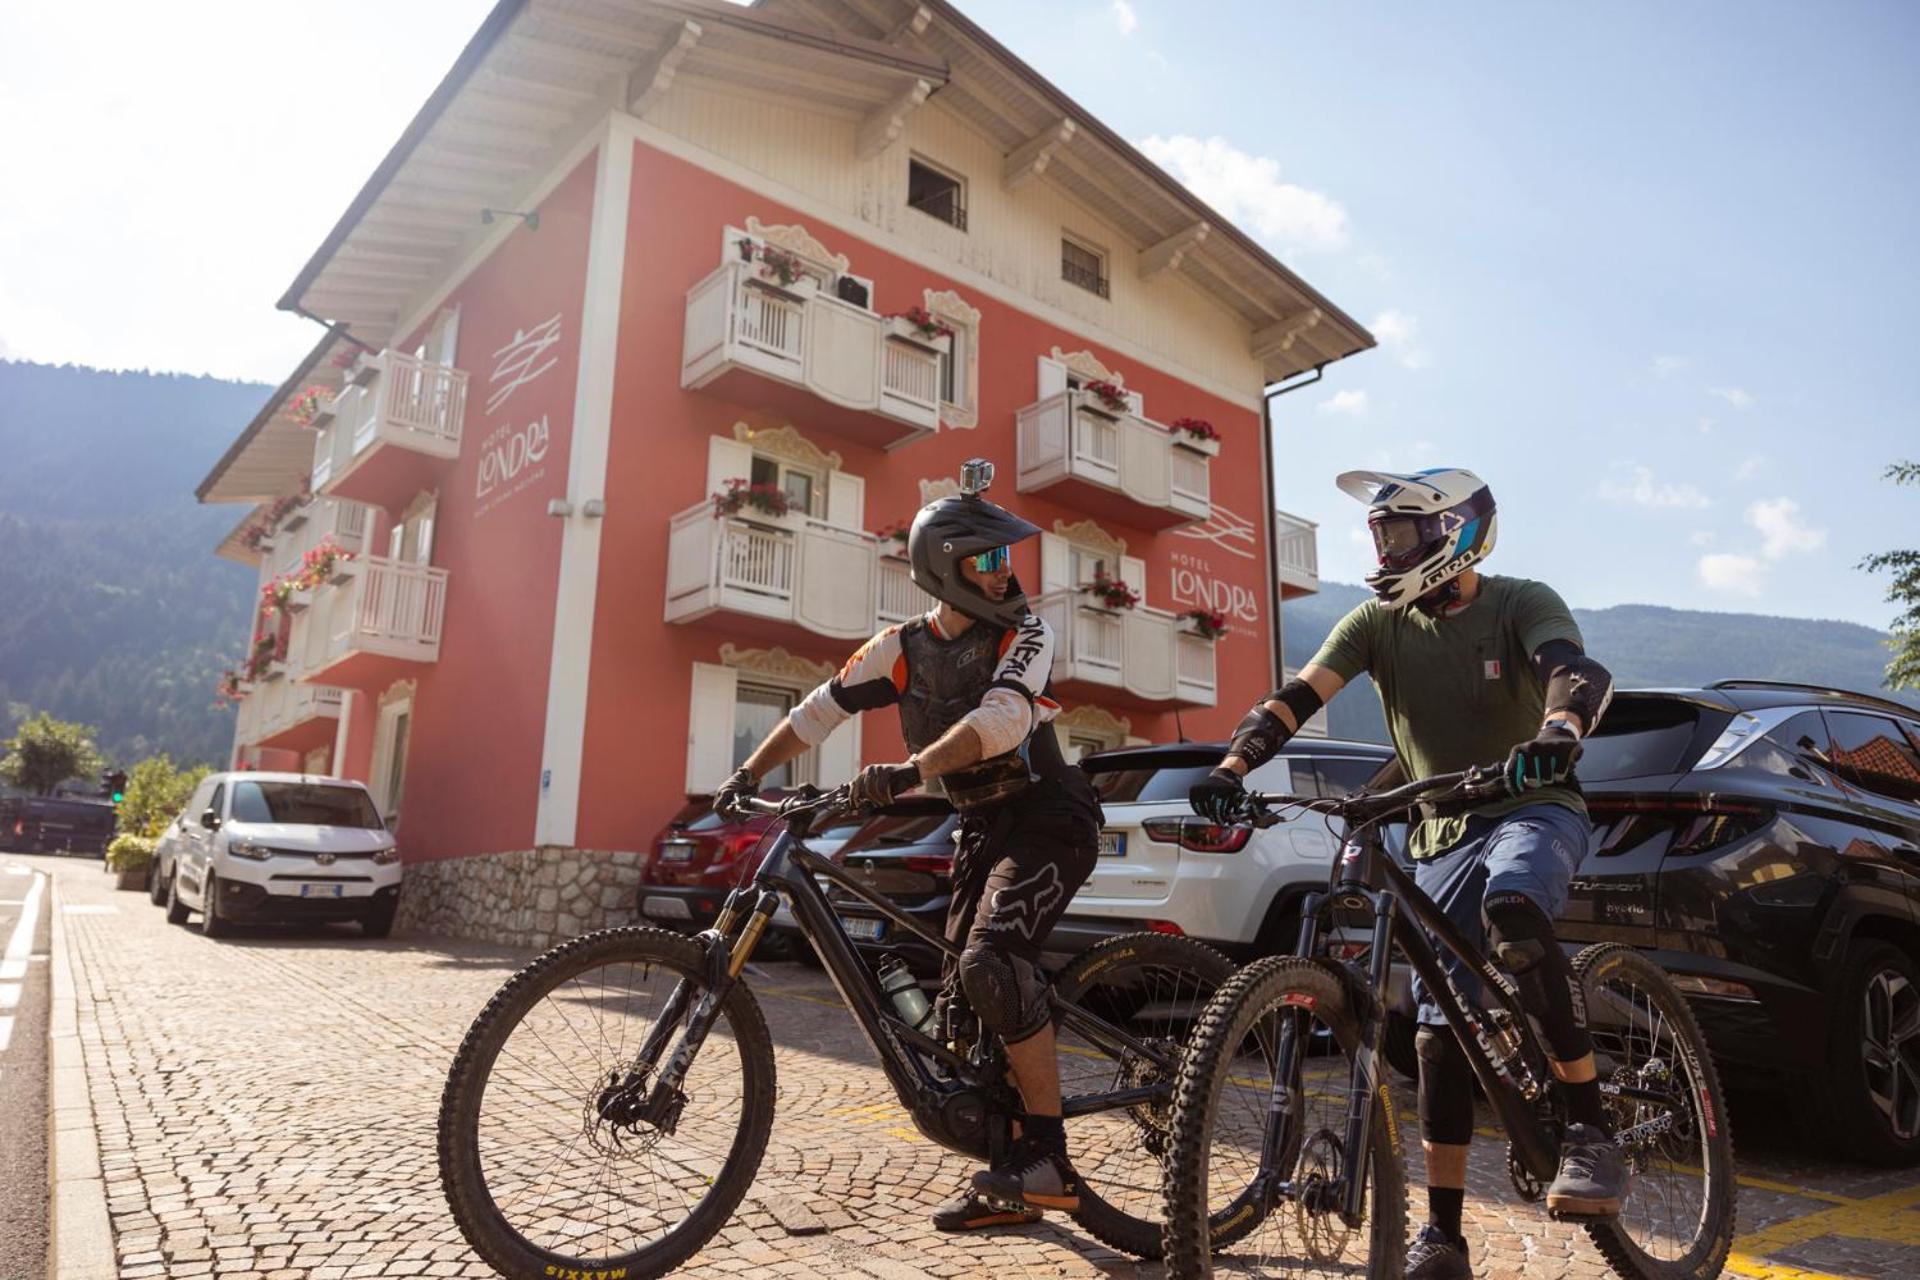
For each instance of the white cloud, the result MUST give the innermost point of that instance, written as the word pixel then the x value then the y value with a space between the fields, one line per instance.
pixel 1750 467
pixel 1124 17
pixel 1705 425
pixel 1735 396
pixel 1399 333
pixel 1733 574
pixel 1701 537
pixel 1667 366
pixel 1248 189
pixel 1643 490
pixel 1781 530
pixel 1351 402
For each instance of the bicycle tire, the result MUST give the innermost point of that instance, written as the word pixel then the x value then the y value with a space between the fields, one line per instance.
pixel 1192 1234
pixel 1594 966
pixel 462 1176
pixel 1119 1221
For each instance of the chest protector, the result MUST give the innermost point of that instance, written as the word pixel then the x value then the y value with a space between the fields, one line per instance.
pixel 946 679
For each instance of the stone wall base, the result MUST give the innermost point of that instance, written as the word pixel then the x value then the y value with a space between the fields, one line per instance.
pixel 523 898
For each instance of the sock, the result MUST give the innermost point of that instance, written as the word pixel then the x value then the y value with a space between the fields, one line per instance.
pixel 1047 1132
pixel 1444 1206
pixel 1583 1104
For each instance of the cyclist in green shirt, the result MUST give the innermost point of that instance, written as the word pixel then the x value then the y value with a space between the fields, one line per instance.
pixel 1479 668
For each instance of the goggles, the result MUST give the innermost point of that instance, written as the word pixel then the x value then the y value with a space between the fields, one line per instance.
pixel 992 561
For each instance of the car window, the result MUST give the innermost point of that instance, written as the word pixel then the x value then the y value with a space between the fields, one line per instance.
pixel 1639 738
pixel 1798 748
pixel 304 804
pixel 1343 775
pixel 1146 785
pixel 1871 752
pixel 213 801
pixel 891 831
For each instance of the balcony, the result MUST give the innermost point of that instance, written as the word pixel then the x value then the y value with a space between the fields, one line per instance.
pixel 768 573
pixel 1100 459
pixel 800 352
pixel 898 599
pixel 304 528
pixel 372 624
pixel 1296 555
pixel 391 430
pixel 286 716
pixel 1152 658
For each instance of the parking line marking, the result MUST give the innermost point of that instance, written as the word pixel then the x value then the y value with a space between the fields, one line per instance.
pixel 6 1032
pixel 9 995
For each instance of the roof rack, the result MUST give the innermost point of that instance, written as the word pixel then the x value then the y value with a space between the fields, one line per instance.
pixel 1885 704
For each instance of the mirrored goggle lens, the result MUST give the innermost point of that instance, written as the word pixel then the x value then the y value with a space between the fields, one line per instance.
pixel 1396 539
pixel 993 561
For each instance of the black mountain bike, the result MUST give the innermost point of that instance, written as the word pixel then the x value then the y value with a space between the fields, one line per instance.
pixel 609 1108
pixel 1288 1153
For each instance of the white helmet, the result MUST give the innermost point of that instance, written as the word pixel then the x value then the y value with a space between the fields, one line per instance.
pixel 1428 528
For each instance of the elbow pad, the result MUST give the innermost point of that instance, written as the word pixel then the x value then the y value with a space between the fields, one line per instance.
pixel 1575 683
pixel 1259 737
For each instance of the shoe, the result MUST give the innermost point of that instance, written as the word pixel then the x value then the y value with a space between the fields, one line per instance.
pixel 1437 1256
pixel 1032 1176
pixel 969 1211
pixel 1592 1182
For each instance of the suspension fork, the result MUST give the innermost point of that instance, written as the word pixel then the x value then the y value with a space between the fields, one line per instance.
pixel 1364 1085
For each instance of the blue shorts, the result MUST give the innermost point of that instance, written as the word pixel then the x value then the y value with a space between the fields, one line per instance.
pixel 1532 851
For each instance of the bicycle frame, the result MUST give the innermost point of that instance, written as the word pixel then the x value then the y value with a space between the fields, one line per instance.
pixel 970 1112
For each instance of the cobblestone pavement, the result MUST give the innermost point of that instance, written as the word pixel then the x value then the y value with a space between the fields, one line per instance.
pixel 266 1107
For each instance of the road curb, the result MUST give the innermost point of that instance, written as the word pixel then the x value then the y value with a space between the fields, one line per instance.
pixel 79 1231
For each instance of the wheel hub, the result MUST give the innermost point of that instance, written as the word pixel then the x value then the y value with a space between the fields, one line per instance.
pixel 1890 1050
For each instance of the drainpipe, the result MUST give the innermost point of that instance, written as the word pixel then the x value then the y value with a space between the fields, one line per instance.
pixel 335 328
pixel 1269 483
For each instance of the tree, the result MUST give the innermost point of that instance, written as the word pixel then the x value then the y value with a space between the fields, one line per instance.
pixel 44 752
pixel 1904 671
pixel 156 791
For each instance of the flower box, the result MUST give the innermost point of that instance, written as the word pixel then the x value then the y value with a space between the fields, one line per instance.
pixel 1203 623
pixel 905 330
pixel 1211 448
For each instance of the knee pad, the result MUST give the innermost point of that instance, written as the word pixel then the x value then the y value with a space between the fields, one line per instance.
pixel 1524 945
pixel 1008 992
pixel 1446 1088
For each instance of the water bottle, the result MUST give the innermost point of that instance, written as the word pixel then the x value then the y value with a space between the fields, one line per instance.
pixel 909 1001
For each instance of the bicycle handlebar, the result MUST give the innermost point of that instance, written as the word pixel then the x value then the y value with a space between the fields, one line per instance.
pixel 1482 783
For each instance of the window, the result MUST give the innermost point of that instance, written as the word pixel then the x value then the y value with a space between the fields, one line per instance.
pixel 1081 744
pixel 410 541
pixel 757 711
pixel 218 799
pixel 1084 566
pixel 1797 749
pixel 1871 752
pixel 396 771
pixel 953 383
pixel 1083 265
pixel 798 484
pixel 937 193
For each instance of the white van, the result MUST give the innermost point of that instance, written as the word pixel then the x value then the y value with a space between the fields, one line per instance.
pixel 282 846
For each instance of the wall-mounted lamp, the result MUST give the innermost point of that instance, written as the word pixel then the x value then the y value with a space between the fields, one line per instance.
pixel 559 507
pixel 593 508
pixel 531 219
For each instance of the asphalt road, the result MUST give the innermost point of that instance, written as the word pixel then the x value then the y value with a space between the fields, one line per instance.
pixel 24 915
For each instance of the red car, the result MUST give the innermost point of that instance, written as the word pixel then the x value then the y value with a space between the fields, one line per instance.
pixel 699 857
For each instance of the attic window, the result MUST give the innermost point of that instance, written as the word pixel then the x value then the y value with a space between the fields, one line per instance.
pixel 1083 265
pixel 937 193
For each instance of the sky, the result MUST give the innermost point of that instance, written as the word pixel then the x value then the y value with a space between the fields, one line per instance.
pixel 1647 268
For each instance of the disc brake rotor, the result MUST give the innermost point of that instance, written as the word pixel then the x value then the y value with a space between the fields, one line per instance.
pixel 1319 1179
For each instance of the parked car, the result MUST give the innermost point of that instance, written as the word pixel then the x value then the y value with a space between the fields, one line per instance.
pixel 166 852
pixel 282 846
pixel 55 824
pixel 1762 842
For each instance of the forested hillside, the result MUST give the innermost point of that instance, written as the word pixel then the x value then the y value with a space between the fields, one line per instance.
pixel 113 609
pixel 1645 646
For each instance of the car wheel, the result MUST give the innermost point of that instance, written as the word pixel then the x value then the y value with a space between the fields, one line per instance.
pixel 210 922
pixel 378 921
pixel 156 886
pixel 1871 1093
pixel 176 909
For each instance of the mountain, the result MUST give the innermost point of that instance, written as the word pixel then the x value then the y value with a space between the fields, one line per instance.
pixel 1645 646
pixel 113 609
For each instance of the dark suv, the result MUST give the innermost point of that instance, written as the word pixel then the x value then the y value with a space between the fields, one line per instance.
pixel 1762 842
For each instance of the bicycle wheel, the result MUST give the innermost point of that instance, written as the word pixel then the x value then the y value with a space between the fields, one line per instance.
pixel 1216 1197
pixel 1152 986
pixel 540 1182
pixel 1678 1219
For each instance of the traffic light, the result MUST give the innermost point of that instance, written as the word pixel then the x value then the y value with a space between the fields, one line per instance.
pixel 113 785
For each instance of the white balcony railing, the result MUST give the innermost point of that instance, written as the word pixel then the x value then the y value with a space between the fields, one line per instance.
pixel 275 706
pixel 394 400
pixel 898 598
pixel 379 606
pixel 794 569
pixel 1297 554
pixel 803 337
pixel 321 520
pixel 1073 436
pixel 1150 653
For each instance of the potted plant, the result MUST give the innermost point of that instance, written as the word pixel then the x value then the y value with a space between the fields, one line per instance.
pixel 128 858
pixel 311 407
pixel 1111 397
pixel 783 268
pixel 743 495
pixel 1112 593
pixel 1205 623
pixel 1197 434
pixel 893 539
pixel 917 324
pixel 229 690
pixel 322 564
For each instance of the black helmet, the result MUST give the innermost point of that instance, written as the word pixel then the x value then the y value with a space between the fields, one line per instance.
pixel 967 525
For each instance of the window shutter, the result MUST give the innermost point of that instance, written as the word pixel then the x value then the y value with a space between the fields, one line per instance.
pixel 846 500
pixel 1133 572
pixel 710 727
pixel 443 344
pixel 840 754
pixel 1053 377
pixel 727 460
pixel 1056 564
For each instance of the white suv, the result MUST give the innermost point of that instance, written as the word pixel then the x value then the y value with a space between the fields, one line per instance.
pixel 281 846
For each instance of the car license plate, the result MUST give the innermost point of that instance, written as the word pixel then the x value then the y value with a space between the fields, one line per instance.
pixel 322 890
pixel 1113 844
pixel 862 929
pixel 666 908
pixel 676 852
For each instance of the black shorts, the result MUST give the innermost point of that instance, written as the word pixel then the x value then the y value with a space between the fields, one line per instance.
pixel 1019 865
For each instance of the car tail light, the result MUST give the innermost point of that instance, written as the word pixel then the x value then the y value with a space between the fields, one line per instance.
pixel 1197 835
pixel 932 864
pixel 728 849
pixel 1166 926
pixel 1699 825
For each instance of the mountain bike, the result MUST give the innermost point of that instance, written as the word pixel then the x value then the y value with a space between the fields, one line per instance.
pixel 1287 1151
pixel 609 1108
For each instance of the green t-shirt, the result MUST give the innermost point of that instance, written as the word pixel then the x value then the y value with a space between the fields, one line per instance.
pixel 1458 691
